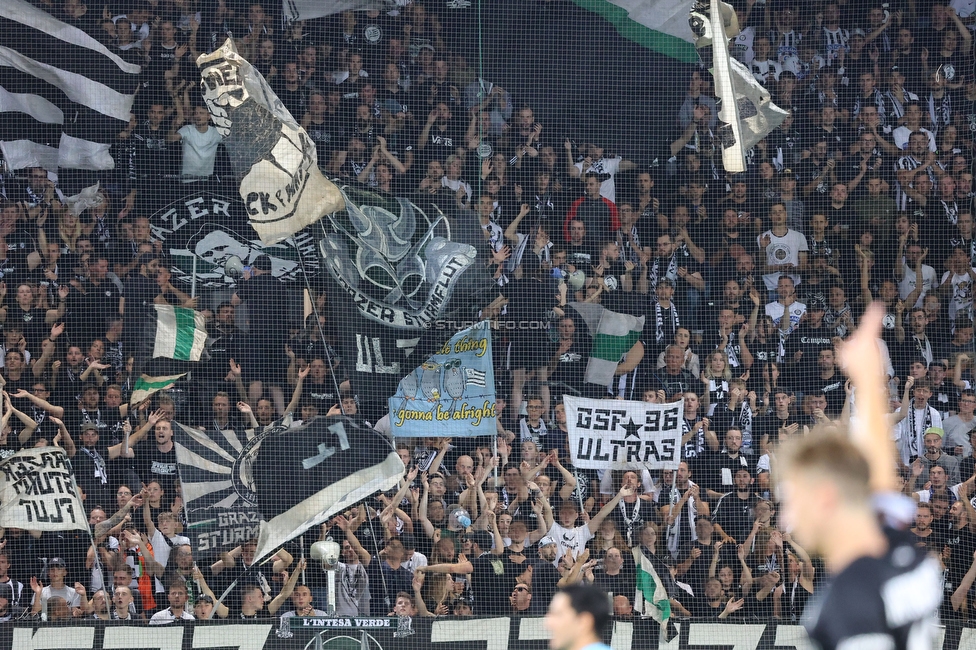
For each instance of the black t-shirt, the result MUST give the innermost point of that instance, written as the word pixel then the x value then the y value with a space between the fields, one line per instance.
pixel 735 515
pixel 492 583
pixel 384 584
pixel 91 470
pixel 769 425
pixel 159 466
pixel 860 600
pixel 710 474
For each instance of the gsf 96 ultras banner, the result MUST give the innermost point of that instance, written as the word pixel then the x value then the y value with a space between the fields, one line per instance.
pixel 621 435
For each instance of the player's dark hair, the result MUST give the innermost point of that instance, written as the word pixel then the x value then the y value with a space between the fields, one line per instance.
pixel 587 599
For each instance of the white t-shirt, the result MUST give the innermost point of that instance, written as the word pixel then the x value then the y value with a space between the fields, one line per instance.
pixel 930 282
pixel 911 430
pixel 608 188
pixel 199 150
pixel 165 616
pixel 68 593
pixel 454 186
pixel 783 250
pixel 569 539
pixel 901 134
pixel 964 8
pixel 161 551
pixel 742 45
pixel 925 495
pixel 962 294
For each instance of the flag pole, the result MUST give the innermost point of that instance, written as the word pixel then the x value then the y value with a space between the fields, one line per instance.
pixel 302 543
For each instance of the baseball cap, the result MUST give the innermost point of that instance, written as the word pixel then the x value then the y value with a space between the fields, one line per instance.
pixel 817 305
pixel 88 426
pixel 546 541
pixel 858 32
pixel 483 539
pixel 939 431
pixel 56 562
pixel 787 173
pixel 204 598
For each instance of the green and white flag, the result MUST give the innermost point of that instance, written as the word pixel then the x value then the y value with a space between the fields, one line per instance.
pixel 613 335
pixel 748 114
pixel 659 25
pixel 147 385
pixel 651 598
pixel 180 333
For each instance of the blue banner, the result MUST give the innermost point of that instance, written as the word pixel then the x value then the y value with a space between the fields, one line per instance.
pixel 452 394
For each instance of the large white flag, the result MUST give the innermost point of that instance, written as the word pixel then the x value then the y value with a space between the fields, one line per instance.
pixel 64 97
pixel 622 434
pixel 293 10
pixel 274 158
pixel 38 491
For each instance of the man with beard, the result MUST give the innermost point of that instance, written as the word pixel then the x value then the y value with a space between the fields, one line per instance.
pixel 735 511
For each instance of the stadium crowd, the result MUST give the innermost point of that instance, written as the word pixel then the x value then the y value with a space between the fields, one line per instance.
pixel 748 282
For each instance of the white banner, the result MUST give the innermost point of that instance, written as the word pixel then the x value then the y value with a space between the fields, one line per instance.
pixel 37 492
pixel 294 10
pixel 618 434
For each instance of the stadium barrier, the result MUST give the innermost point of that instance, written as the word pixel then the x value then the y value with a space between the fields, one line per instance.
pixel 525 633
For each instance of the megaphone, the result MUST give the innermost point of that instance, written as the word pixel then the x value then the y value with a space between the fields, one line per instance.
pixel 234 267
pixel 325 551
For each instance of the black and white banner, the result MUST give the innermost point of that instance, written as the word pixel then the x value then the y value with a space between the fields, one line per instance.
pixel 202 230
pixel 293 10
pixel 218 489
pixel 304 475
pixel 507 633
pixel 272 155
pixel 64 97
pixel 38 492
pixel 619 434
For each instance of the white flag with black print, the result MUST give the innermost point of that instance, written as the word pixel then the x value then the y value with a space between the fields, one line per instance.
pixel 64 96
pixel 621 434
pixel 293 10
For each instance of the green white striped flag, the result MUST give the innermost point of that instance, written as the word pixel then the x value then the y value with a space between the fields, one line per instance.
pixel 146 386
pixel 613 335
pixel 651 598
pixel 180 333
pixel 748 114
pixel 659 25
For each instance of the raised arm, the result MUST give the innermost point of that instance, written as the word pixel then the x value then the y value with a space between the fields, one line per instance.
pixel 363 554
pixel 287 588
pixel 872 434
pixel 102 529
pixel 594 523
pixel 220 609
pixel 296 395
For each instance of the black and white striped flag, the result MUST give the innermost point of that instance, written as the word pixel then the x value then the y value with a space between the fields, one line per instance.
pixel 64 96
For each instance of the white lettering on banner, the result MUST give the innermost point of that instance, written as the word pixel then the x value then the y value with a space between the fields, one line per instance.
pixel 533 629
pixel 620 435
pixel 133 638
pixel 795 636
pixel 623 635
pixel 740 637
pixel 966 640
pixel 53 638
pixel 37 492
pixel 494 631
pixel 245 637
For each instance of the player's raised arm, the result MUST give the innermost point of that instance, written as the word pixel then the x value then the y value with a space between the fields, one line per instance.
pixel 869 427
